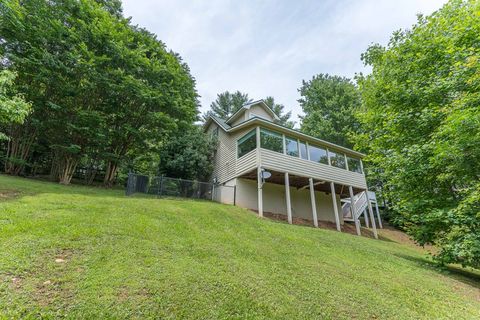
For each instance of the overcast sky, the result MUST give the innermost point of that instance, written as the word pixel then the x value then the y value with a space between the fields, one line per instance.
pixel 266 48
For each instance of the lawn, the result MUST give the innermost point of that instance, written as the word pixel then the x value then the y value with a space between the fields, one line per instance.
pixel 77 252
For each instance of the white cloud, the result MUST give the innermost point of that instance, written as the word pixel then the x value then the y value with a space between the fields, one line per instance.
pixel 267 48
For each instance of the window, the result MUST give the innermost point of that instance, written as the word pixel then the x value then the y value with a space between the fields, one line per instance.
pixel 247 143
pixel 271 140
pixel 318 154
pixel 291 146
pixel 303 150
pixel 354 165
pixel 337 159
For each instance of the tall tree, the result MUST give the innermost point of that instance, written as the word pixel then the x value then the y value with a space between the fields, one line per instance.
pixel 188 155
pixel 279 111
pixel 329 103
pixel 13 107
pixel 227 104
pixel 98 85
pixel 421 128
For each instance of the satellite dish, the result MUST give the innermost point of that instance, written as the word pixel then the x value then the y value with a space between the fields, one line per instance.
pixel 266 175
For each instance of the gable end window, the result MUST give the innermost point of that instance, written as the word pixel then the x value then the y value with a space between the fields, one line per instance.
pixel 247 143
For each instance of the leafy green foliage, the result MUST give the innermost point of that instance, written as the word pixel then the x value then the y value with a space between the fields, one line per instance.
pixel 99 86
pixel 421 128
pixel 188 155
pixel 279 111
pixel 329 103
pixel 13 107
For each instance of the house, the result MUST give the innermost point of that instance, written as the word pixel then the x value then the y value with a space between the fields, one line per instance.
pixel 274 170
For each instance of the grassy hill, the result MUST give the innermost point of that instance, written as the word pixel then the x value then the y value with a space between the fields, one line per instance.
pixel 81 252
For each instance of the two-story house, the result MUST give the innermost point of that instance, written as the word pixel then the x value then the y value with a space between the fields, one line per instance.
pixel 268 168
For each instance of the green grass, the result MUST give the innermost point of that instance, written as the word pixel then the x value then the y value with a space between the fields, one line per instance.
pixel 162 258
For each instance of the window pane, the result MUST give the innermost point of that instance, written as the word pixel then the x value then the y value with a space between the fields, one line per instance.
pixel 318 154
pixel 337 159
pixel 303 150
pixel 354 165
pixel 247 143
pixel 271 140
pixel 291 146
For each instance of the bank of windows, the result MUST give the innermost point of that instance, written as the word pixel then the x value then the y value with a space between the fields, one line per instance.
pixel 293 147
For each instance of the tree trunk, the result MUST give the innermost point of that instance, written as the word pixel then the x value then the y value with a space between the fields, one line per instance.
pixel 67 166
pixel 18 149
pixel 110 173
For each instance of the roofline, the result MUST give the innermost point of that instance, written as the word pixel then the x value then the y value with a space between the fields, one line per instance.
pixel 248 105
pixel 294 132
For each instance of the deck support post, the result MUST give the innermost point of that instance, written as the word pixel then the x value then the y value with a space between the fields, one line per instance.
pixel 352 209
pixel 365 214
pixel 372 218
pixel 378 216
pixel 314 205
pixel 287 198
pixel 335 207
pixel 260 191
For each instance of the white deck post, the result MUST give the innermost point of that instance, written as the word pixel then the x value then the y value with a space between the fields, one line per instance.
pixel 287 196
pixel 335 207
pixel 314 205
pixel 352 209
pixel 378 215
pixel 260 191
pixel 372 218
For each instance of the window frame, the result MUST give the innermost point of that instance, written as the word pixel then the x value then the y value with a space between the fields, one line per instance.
pixel 274 134
pixel 287 138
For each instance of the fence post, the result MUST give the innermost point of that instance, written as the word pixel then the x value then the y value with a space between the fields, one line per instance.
pixel 213 191
pixel 161 186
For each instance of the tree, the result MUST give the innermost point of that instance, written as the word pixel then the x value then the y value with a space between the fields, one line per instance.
pixel 188 155
pixel 329 103
pixel 279 111
pixel 421 127
pixel 227 104
pixel 13 107
pixel 99 86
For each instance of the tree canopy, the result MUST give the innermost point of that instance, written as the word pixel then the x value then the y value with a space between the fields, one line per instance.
pixel 13 107
pixel 99 86
pixel 421 127
pixel 329 103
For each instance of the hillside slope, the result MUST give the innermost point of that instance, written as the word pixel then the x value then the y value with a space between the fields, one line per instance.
pixel 92 253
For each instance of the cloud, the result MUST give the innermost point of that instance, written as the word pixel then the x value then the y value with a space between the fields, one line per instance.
pixel 266 48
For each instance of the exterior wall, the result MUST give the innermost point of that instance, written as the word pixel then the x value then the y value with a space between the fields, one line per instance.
pixel 284 163
pixel 225 166
pixel 259 111
pixel 274 200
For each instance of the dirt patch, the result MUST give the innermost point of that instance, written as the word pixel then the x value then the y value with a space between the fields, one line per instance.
pixel 9 194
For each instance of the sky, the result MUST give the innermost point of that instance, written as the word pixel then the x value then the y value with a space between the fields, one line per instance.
pixel 266 48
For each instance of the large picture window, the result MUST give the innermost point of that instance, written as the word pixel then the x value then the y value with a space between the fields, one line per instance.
pixel 271 140
pixel 247 143
pixel 337 159
pixel 318 154
pixel 354 165
pixel 291 146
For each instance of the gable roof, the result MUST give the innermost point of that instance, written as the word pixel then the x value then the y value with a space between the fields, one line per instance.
pixel 247 106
